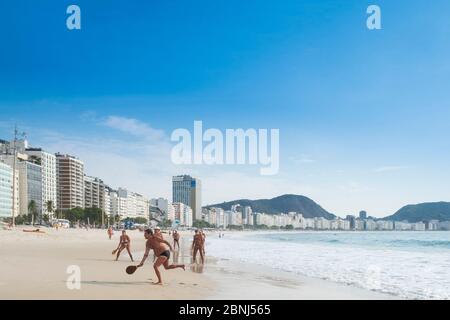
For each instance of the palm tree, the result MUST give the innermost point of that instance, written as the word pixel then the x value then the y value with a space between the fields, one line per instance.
pixel 50 208
pixel 32 210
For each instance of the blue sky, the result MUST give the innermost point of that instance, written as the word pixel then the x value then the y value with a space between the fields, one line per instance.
pixel 363 115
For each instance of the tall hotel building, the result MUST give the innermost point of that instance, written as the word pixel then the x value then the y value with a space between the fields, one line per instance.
pixel 187 190
pixel 48 164
pixel 94 193
pixel 30 186
pixel 70 182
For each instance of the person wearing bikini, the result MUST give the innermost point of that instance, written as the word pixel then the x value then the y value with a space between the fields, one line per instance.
pixel 124 243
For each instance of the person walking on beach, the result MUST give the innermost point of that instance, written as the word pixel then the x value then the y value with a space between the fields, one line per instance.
pixel 162 250
pixel 124 243
pixel 176 239
pixel 110 232
pixel 197 246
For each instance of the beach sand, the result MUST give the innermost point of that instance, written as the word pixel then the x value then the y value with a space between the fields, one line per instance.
pixel 34 266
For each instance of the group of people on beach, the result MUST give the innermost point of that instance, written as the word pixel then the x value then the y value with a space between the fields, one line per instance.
pixel 161 248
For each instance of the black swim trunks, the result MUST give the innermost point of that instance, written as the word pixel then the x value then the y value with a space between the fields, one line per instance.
pixel 165 254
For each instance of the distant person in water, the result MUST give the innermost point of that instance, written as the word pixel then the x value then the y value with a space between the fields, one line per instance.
pixel 124 243
pixel 197 246
pixel 176 239
pixel 162 250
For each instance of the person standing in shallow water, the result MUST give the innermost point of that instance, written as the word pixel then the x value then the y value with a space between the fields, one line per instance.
pixel 176 240
pixel 162 250
pixel 197 246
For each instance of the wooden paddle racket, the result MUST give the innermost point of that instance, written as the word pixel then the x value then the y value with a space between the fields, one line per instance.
pixel 115 251
pixel 131 270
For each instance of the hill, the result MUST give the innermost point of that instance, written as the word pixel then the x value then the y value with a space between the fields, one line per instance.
pixel 283 204
pixel 423 212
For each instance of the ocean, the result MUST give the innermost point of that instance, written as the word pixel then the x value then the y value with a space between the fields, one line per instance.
pixel 411 265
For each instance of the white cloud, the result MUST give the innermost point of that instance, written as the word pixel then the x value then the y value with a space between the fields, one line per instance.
pixel 302 159
pixel 134 127
pixel 390 168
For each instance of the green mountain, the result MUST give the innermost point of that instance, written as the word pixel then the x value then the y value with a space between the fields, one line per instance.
pixel 423 212
pixel 283 204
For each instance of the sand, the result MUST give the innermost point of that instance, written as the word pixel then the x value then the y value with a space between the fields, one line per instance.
pixel 34 266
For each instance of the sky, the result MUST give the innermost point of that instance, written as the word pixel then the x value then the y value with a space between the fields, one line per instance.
pixel 363 114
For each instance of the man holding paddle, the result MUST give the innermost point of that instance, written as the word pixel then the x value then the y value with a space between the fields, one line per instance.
pixel 162 252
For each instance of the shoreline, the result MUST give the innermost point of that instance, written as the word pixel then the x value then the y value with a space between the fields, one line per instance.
pixel 34 266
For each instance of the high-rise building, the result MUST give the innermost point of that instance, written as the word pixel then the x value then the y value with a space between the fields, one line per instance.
pixel 352 220
pixel 94 193
pixel 187 190
pixel 107 197
pixel 30 186
pixel 29 182
pixel 247 216
pixel 70 182
pixel 363 215
pixel 48 164
pixel 6 191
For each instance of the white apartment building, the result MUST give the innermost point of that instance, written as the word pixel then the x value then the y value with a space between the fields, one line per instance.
pixel 402 226
pixel 344 224
pixel 235 218
pixel 183 214
pixel 217 217
pixel 171 213
pixel 129 204
pixel 6 191
pixel 248 216
pixel 142 205
pixel 370 225
pixel 94 193
pixel 108 206
pixel 49 178
pixel 419 226
pixel 309 223
pixel 385 225
pixel 433 225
